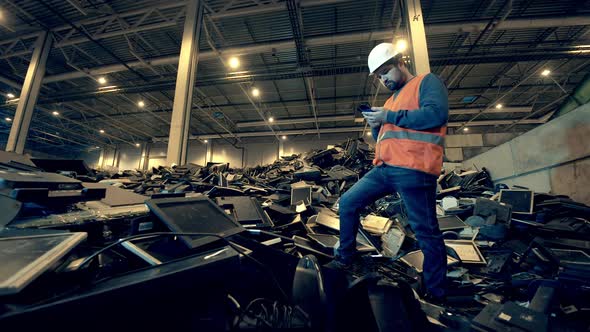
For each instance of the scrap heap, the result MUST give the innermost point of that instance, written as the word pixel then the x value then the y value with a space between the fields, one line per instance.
pixel 517 260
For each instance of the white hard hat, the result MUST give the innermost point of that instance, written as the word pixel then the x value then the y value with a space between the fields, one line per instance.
pixel 380 54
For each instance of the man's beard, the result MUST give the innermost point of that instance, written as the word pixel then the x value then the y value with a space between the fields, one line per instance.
pixel 392 85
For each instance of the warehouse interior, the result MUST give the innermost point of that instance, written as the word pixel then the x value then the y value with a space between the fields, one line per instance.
pixel 111 109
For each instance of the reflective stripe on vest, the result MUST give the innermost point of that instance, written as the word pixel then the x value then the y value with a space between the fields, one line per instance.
pixel 423 137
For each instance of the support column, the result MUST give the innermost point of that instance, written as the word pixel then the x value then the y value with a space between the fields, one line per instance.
pixel 185 82
pixel 116 155
pixel 209 153
pixel 417 34
pixel 145 156
pixel 29 93
pixel 100 164
pixel 118 160
pixel 281 150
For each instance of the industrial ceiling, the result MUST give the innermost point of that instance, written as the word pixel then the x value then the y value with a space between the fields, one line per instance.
pixel 111 72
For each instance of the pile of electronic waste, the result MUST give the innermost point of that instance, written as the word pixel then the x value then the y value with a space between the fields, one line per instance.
pixel 217 248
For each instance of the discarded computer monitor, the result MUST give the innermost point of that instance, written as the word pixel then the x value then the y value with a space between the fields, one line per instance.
pixel 520 200
pixel 194 215
pixel 450 223
pixel 416 260
pixel 467 251
pixel 245 210
pixel 24 258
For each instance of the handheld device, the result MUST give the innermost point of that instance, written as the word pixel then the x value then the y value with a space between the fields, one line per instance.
pixel 364 107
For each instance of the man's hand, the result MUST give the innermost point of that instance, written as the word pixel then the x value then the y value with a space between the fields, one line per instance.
pixel 377 117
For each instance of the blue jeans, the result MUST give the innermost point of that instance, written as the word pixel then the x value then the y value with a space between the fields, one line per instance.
pixel 418 191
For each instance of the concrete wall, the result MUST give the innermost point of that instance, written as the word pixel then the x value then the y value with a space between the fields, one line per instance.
pixel 256 151
pixel 264 150
pixel 554 157
pixel 462 147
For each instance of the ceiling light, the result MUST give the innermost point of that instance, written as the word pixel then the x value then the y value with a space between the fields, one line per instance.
pixel 10 95
pixel 102 80
pixel 137 144
pixel 8 119
pixel 56 113
pixel 498 106
pixel 97 147
pixel 140 103
pixel 101 131
pixel 206 141
pixel 546 72
pixel 234 63
pixel 368 133
pixel 255 92
pixel 284 137
pixel 271 119
pixel 465 129
pixel 401 46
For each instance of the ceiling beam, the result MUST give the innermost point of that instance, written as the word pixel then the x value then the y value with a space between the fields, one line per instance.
pixel 431 29
pixel 313 131
pixel 337 118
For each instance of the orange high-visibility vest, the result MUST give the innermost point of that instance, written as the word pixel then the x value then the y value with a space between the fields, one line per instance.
pixel 416 149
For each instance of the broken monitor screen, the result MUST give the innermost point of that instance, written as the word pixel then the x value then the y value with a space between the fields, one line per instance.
pixel 24 258
pixel 569 256
pixel 328 219
pixel 301 194
pixel 520 200
pixel 325 240
pixel 467 251
pixel 448 223
pixel 416 259
pixel 194 215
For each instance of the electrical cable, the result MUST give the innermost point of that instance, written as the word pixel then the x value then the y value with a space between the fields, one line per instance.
pixel 89 259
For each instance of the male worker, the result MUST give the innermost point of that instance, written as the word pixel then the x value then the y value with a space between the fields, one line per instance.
pixel 409 130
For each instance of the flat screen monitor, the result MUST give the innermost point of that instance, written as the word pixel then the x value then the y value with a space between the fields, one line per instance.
pixel 467 251
pixel 448 223
pixel 416 260
pixel 246 210
pixel 571 256
pixel 56 165
pixel 194 215
pixel 24 258
pixel 301 194
pixel 520 200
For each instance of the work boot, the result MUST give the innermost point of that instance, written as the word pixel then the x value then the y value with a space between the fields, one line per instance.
pixel 337 264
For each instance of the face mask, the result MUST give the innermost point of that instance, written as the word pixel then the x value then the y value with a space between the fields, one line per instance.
pixel 393 79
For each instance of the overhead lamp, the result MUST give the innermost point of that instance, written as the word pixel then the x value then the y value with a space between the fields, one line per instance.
pixel 401 46
pixel 10 95
pixel 368 133
pixel 102 80
pixel 140 103
pixel 255 92
pixel 234 63
pixel 56 113
pixel 284 137
pixel 499 106
pixel 137 144
pixel 8 119
pixel 271 119
pixel 465 129
pixel 546 72
pixel 206 141
pixel 101 131
pixel 97 147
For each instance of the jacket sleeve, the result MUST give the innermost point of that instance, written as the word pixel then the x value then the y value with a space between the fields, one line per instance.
pixel 433 111
pixel 375 132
